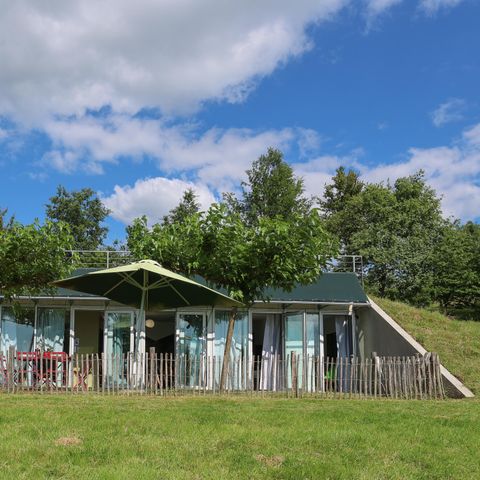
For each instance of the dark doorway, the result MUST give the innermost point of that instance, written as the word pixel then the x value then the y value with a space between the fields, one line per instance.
pixel 160 332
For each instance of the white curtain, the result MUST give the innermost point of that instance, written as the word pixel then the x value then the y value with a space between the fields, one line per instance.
pixel 342 332
pixel 238 349
pixel 51 329
pixel 270 354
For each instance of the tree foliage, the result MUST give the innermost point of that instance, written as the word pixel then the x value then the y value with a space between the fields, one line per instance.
pixel 31 256
pixel 271 191
pixel 188 206
pixel 83 212
pixel 345 186
pixel 411 252
pixel 456 270
pixel 269 237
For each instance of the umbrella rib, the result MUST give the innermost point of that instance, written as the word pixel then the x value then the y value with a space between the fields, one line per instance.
pixel 158 284
pixel 126 278
pixel 132 281
pixel 114 287
pixel 178 293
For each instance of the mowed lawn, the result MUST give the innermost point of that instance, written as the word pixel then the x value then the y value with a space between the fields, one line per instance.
pixel 94 437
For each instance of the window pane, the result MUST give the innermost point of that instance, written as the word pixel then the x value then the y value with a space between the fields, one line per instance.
pixel 294 345
pixel 53 329
pixel 118 333
pixel 190 347
pixel 238 350
pixel 17 331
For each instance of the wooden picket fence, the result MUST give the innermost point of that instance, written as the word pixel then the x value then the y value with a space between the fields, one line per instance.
pixel 414 377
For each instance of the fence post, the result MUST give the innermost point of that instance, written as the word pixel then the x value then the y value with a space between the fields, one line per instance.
pixel 294 374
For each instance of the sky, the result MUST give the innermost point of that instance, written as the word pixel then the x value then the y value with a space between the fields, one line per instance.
pixel 141 100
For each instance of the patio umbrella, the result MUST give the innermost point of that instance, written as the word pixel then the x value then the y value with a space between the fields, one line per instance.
pixel 146 285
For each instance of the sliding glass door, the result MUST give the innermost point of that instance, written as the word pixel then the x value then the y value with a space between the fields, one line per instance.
pixel 117 344
pixel 191 345
pixel 238 366
pixel 294 330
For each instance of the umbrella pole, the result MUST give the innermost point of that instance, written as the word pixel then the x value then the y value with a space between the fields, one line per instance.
pixel 140 334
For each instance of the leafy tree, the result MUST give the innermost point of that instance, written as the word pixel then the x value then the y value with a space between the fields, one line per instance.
pixel 272 190
pixel 188 206
pixel 245 245
pixel 339 218
pixel 31 256
pixel 84 212
pixel 456 268
pixel 397 230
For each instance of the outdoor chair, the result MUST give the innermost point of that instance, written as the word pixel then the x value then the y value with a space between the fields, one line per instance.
pixel 54 371
pixel 27 373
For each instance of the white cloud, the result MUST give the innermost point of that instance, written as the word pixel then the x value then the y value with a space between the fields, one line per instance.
pixel 217 160
pixel 153 197
pixel 377 7
pixel 62 57
pixel 452 170
pixel 431 7
pixel 448 112
pixel 217 157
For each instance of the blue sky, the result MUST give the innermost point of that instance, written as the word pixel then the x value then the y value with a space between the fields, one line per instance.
pixel 142 102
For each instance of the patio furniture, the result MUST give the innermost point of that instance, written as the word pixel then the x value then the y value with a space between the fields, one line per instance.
pixel 54 369
pixel 27 371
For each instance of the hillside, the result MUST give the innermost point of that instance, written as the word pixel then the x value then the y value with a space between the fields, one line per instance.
pixel 456 341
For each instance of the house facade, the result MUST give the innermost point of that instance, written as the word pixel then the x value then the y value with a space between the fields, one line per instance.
pixel 275 345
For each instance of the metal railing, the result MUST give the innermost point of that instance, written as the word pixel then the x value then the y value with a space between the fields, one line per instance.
pixel 115 258
pixel 99 258
pixel 347 263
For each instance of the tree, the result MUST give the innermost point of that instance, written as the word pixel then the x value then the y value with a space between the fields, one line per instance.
pixel 84 212
pixel 245 245
pixel 272 190
pixel 398 228
pixel 456 268
pixel 188 206
pixel 336 197
pixel 31 256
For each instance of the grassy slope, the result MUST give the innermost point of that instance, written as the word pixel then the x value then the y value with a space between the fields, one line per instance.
pixel 456 341
pixel 228 438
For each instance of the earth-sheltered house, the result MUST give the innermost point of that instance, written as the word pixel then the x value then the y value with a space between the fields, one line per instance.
pixel 308 339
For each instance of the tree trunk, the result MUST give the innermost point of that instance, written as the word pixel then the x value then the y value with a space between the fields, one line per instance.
pixel 226 353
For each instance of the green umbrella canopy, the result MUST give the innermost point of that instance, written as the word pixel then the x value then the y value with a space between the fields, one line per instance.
pixel 146 285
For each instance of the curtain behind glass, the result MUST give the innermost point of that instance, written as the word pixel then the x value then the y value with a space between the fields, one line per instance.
pixel 270 365
pixel 17 332
pixel 52 323
pixel 294 344
pixel 238 349
pixel 190 348
pixel 312 337
pixel 343 330
pixel 118 345
pixel 118 333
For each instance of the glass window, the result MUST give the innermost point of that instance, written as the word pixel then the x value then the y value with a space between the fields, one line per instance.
pixel 238 350
pixel 118 345
pixel 294 345
pixel 17 329
pixel 53 329
pixel 190 347
pixel 118 333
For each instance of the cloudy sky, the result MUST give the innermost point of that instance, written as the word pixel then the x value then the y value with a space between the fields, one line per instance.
pixel 140 100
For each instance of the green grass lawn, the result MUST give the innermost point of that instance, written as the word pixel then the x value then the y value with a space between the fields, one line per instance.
pixel 94 437
pixel 456 341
